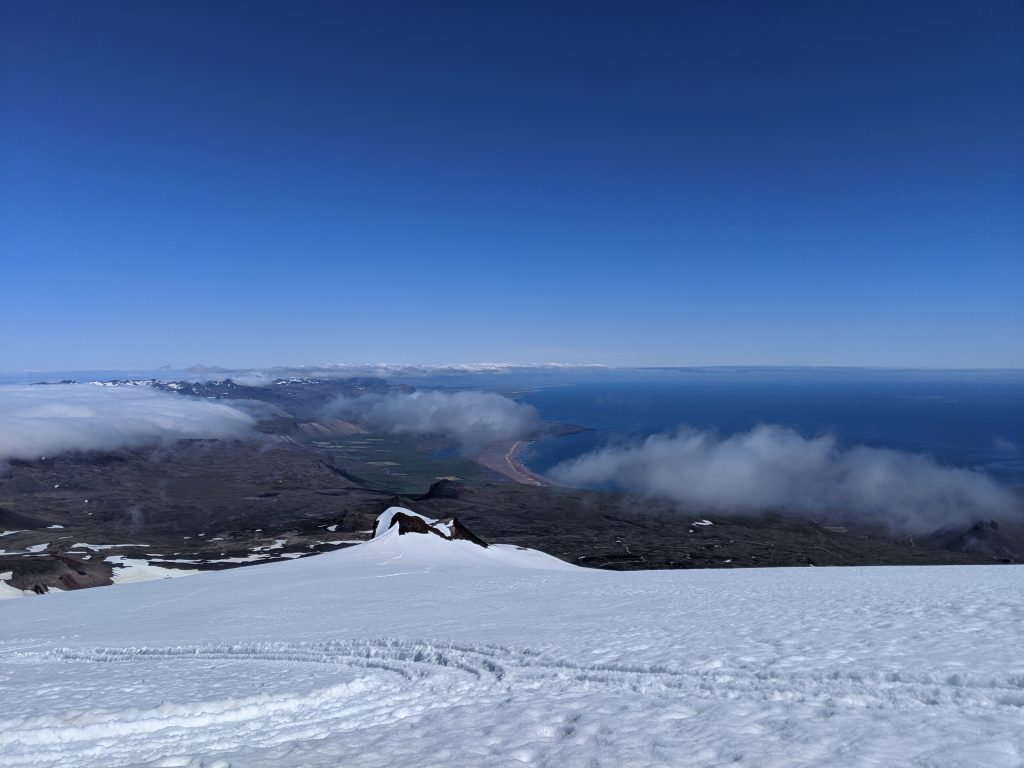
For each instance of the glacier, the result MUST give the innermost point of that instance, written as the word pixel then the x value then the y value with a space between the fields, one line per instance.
pixel 416 650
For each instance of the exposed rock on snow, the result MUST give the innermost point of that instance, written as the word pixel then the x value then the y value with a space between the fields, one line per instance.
pixel 415 540
pixel 407 521
pixel 35 574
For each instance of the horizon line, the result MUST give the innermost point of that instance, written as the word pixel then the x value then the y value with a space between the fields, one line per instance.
pixel 490 367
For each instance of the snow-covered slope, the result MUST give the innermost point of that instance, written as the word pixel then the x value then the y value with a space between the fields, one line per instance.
pixel 413 650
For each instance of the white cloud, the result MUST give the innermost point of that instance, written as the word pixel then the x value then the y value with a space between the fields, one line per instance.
pixel 472 419
pixel 39 421
pixel 772 468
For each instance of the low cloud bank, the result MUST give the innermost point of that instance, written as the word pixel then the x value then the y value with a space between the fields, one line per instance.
pixel 474 420
pixel 40 421
pixel 773 468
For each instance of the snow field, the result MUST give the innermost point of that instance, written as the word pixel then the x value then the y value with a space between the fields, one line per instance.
pixel 414 650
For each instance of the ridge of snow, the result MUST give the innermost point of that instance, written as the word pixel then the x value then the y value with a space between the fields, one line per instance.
pixel 426 550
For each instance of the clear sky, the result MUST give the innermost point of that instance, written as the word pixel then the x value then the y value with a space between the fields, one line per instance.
pixel 688 183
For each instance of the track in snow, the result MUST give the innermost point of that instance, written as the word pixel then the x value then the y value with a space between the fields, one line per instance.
pixel 386 681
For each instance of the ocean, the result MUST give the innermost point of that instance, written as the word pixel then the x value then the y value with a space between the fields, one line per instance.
pixel 971 419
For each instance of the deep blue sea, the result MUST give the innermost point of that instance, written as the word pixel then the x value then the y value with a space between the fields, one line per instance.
pixel 967 419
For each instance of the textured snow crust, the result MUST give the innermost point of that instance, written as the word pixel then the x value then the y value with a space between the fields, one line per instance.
pixel 412 650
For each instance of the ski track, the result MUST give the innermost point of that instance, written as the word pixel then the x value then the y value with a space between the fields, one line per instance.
pixel 432 687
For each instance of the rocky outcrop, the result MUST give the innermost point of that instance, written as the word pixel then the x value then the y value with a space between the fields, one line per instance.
pixel 13 521
pixel 1003 542
pixel 408 522
pixel 45 572
pixel 443 489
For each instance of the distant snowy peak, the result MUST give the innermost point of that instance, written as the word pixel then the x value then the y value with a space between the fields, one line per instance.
pixel 405 521
pixel 291 374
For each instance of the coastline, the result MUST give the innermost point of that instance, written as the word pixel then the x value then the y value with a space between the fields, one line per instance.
pixel 501 458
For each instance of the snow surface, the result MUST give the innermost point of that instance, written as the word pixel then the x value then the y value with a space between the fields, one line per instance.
pixel 7 592
pixel 413 650
pixel 127 570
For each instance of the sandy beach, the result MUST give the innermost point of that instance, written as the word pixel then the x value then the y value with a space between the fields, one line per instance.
pixel 501 458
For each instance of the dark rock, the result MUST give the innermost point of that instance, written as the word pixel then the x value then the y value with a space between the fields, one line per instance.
pixel 461 532
pixel 12 521
pixel 449 530
pixel 443 489
pixel 40 573
pixel 1001 542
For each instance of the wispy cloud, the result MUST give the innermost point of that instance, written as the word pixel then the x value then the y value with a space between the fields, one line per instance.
pixel 772 468
pixel 471 419
pixel 39 421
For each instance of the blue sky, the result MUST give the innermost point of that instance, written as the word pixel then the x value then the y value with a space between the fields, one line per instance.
pixel 692 183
